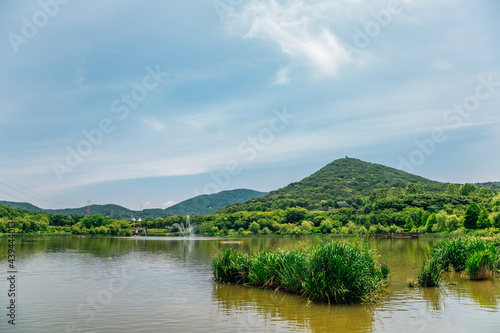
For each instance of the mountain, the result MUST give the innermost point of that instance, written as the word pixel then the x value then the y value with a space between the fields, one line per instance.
pixel 495 186
pixel 342 179
pixel 210 203
pixel 200 205
pixel 22 205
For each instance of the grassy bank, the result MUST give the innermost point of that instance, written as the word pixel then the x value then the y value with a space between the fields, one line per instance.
pixel 478 258
pixel 331 272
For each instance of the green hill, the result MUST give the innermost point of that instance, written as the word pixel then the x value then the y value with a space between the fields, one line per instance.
pixel 495 186
pixel 200 205
pixel 340 180
pixel 210 203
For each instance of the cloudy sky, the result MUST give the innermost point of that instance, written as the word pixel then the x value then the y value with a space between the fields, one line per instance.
pixel 147 103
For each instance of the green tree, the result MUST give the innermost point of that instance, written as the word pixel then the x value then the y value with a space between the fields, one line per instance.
pixel 254 228
pixel 409 223
pixel 453 189
pixel 496 220
pixel 485 192
pixel 483 221
pixel 468 189
pixel 413 188
pixel 214 231
pixel 430 222
pixel 337 224
pixel 306 226
pixel 326 226
pixel 295 215
pixel 471 216
pixel 266 231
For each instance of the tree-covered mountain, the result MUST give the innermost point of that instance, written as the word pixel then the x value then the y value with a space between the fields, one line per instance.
pixel 200 205
pixel 338 181
pixel 210 203
pixel 495 186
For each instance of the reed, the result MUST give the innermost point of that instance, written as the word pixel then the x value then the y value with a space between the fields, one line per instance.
pixel 430 274
pixel 333 272
pixel 478 257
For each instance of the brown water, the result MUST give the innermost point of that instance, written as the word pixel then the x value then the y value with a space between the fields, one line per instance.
pixel 164 285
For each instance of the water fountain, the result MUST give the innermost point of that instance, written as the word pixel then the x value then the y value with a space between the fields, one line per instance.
pixel 187 229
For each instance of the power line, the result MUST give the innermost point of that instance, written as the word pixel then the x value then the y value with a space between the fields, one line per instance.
pixel 31 195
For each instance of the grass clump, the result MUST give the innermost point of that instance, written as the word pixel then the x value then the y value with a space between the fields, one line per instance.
pixel 478 257
pixel 333 272
pixel 430 274
pixel 479 265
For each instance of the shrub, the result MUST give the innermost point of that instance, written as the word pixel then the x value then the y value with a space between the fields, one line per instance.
pixel 266 231
pixel 326 226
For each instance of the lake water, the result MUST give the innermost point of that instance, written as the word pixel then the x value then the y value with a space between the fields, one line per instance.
pixel 147 284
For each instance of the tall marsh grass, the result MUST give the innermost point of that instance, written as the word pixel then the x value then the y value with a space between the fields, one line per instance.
pixel 478 257
pixel 333 272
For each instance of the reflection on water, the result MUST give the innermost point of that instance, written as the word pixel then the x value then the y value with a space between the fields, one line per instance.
pixel 70 284
pixel 289 312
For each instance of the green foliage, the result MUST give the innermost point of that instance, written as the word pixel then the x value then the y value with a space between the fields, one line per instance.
pixel 199 205
pixel 479 265
pixel 345 179
pixel 413 188
pixel 326 226
pixel 468 189
pixel 429 274
pixel 332 272
pixel 409 224
pixel 453 189
pixel 479 257
pixel 432 220
pixel 496 220
pixel 306 226
pixel 471 216
pixel 254 228
pixel 483 220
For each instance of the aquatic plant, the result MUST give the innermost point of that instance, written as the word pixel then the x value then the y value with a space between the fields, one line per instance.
pixel 333 272
pixel 479 265
pixel 430 274
pixel 478 257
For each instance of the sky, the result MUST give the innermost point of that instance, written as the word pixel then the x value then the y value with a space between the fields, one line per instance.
pixel 146 104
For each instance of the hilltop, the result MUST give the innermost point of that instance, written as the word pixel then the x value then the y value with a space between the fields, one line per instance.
pixel 340 180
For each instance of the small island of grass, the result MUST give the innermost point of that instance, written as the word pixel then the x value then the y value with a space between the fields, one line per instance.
pixel 331 272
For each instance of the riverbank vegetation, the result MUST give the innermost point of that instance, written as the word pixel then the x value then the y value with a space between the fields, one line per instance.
pixel 346 197
pixel 333 272
pixel 454 213
pixel 478 259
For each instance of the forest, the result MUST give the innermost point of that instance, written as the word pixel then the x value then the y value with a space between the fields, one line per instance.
pixel 457 209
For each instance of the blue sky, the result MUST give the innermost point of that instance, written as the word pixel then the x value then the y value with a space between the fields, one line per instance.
pixel 145 104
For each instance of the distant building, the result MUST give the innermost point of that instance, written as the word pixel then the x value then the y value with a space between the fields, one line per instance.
pixel 343 204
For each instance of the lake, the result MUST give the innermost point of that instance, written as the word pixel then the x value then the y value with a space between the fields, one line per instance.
pixel 146 284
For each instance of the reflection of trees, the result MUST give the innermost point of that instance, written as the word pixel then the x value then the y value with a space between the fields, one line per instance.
pixel 270 306
pixel 484 293
pixel 434 297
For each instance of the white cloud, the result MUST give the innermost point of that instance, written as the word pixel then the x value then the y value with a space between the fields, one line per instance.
pixel 299 32
pixel 167 204
pixel 154 123
pixel 443 66
pixel 282 77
